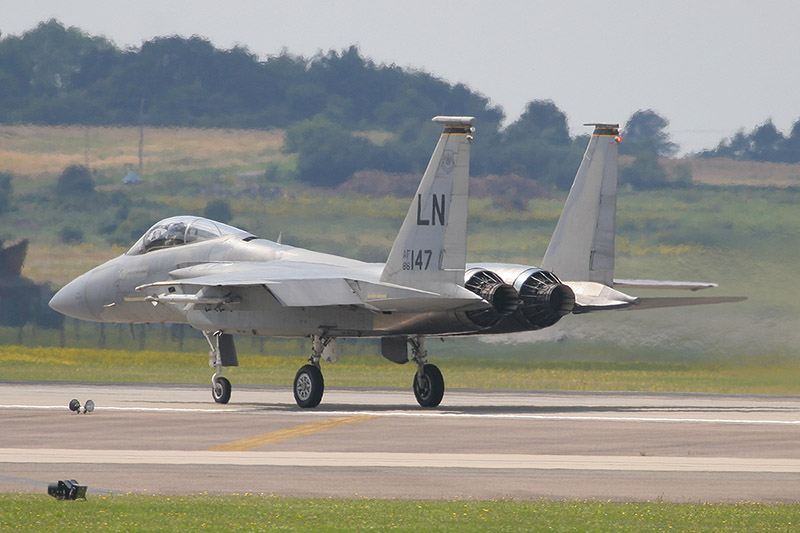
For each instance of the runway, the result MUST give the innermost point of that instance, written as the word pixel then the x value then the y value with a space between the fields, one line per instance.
pixel 174 439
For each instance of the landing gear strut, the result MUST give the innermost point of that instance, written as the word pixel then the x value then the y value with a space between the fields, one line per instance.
pixel 308 382
pixel 223 353
pixel 428 381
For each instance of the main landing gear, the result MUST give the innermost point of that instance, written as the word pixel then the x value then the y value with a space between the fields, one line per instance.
pixel 428 381
pixel 309 384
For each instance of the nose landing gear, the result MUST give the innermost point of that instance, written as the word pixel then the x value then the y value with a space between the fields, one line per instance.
pixel 220 388
pixel 223 353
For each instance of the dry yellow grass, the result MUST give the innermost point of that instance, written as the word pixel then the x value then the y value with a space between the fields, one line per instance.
pixel 43 150
pixel 60 263
pixel 748 173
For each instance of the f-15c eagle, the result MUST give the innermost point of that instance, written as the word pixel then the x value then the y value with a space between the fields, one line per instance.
pixel 223 280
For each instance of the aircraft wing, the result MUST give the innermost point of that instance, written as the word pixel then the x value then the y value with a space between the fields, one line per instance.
pixel 302 284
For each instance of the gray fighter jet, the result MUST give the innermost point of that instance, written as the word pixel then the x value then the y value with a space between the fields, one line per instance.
pixel 223 280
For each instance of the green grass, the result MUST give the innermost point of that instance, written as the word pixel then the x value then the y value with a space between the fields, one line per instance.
pixel 249 512
pixel 365 369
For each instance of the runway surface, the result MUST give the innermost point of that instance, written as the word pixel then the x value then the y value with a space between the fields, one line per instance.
pixel 378 443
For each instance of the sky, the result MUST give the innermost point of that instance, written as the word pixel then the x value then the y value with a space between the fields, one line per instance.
pixel 709 67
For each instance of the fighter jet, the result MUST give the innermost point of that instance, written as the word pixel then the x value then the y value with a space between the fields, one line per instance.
pixel 223 280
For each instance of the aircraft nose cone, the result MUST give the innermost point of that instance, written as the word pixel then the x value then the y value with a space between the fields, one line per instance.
pixel 71 300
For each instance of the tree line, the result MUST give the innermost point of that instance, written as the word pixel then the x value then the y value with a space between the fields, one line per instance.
pixel 764 143
pixel 54 74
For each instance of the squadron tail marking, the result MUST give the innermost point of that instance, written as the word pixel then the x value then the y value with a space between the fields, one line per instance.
pixel 430 250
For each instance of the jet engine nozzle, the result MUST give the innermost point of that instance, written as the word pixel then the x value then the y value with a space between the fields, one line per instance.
pixel 505 299
pixel 544 299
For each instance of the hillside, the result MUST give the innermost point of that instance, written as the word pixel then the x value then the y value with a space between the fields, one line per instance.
pixel 40 153
pixel 744 238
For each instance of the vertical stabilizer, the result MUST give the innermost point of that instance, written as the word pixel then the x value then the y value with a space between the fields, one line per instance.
pixel 430 250
pixel 582 246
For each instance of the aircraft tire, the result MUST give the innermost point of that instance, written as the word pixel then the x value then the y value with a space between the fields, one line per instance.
pixel 221 390
pixel 308 386
pixel 431 392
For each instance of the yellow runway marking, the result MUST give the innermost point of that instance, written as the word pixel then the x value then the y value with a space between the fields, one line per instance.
pixel 282 434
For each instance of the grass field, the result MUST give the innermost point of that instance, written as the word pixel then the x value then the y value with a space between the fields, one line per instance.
pixel 363 369
pixel 251 512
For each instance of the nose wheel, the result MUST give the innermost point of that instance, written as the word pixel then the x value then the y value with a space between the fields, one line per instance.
pixel 221 389
pixel 222 354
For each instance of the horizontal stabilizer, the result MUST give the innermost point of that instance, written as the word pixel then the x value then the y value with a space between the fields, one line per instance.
pixel 655 284
pixel 681 301
pixel 592 296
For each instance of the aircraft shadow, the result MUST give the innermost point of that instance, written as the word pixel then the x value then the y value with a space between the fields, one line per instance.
pixel 573 410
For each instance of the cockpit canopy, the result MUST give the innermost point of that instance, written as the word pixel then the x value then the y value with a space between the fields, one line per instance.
pixel 177 231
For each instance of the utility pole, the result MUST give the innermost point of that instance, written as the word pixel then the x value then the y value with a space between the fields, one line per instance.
pixel 86 152
pixel 141 135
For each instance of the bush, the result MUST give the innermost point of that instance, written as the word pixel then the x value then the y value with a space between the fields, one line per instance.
pixel 326 153
pixel 5 190
pixel 645 173
pixel 76 179
pixel 70 235
pixel 219 210
pixel 132 227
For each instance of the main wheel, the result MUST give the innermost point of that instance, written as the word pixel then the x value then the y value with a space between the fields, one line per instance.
pixel 308 386
pixel 429 390
pixel 221 390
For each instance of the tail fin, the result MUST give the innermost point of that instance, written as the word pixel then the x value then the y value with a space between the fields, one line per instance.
pixel 430 250
pixel 582 246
